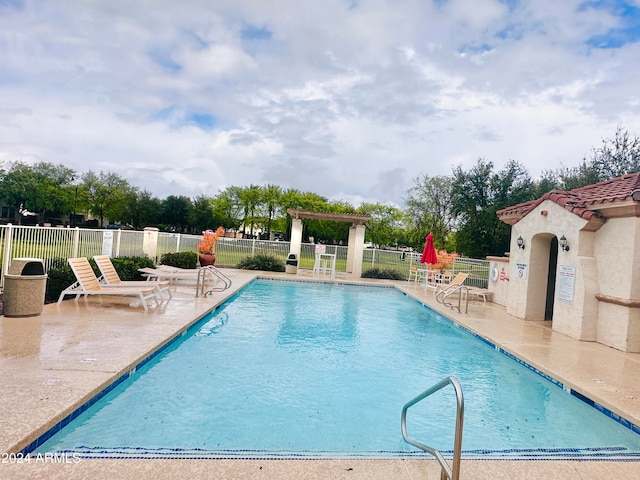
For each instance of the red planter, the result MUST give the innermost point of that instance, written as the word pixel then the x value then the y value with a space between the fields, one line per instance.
pixel 207 259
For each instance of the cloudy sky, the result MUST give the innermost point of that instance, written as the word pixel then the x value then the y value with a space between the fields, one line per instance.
pixel 350 99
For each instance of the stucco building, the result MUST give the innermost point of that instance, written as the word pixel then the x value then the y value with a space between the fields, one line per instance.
pixel 575 261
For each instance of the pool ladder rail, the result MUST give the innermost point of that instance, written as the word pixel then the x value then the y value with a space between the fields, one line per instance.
pixel 447 472
pixel 210 272
pixel 461 290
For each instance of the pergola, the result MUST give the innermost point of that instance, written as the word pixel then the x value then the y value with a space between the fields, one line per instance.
pixel 356 234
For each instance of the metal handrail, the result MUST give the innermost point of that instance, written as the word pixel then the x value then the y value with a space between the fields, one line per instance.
pixel 452 473
pixel 442 295
pixel 217 275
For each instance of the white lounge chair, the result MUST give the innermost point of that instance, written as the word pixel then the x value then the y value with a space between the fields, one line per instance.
pixel 171 274
pixel 87 284
pixel 444 288
pixel 110 277
pixel 479 293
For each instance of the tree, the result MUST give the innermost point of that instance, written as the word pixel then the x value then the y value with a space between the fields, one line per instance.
pixel 617 156
pixel 509 186
pixel 107 194
pixel 429 208
pixel 328 231
pixel 51 195
pixel 143 210
pixel 43 188
pixel 471 200
pixel 547 182
pixel 295 199
pixel 176 211
pixel 614 158
pixel 324 231
pixel 250 197
pixel 18 181
pixel 201 217
pixel 271 195
pixel 576 177
pixel 477 195
pixel 385 225
pixel 228 207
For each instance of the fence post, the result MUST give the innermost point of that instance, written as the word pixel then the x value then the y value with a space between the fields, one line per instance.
pixel 253 248
pixel 76 242
pixel 178 244
pixel 6 255
pixel 150 243
pixel 117 252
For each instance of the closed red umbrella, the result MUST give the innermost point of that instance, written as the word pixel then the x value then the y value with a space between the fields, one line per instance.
pixel 429 254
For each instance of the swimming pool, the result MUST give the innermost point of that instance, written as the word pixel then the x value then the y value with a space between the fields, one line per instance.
pixel 302 370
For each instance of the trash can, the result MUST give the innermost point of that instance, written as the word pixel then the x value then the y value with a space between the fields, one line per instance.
pixel 24 288
pixel 291 263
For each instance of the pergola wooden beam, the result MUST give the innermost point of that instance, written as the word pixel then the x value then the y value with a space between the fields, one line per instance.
pixel 354 218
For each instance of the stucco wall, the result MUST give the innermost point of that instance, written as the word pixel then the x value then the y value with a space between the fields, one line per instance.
pixel 619 327
pixel 603 261
pixel 527 291
pixel 633 337
pixel 615 245
pixel 499 287
pixel 635 262
pixel 618 255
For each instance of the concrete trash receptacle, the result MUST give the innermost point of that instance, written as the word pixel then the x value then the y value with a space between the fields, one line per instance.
pixel 291 265
pixel 24 288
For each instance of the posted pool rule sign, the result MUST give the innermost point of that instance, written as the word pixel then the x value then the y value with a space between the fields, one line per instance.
pixel 521 271
pixel 566 282
pixel 107 243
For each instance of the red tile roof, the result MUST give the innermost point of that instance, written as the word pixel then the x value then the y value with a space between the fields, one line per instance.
pixel 584 201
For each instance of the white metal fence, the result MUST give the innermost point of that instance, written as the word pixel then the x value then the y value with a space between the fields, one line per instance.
pixel 478 271
pixel 54 245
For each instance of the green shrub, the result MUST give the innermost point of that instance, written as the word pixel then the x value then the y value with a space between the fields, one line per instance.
pixel 386 273
pixel 267 263
pixel 180 260
pixel 59 277
pixel 127 267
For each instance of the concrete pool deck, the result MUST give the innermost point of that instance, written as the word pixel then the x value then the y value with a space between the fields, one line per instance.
pixel 54 363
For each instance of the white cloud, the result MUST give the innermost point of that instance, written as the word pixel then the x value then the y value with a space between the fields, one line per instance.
pixel 215 61
pixel 475 14
pixel 345 99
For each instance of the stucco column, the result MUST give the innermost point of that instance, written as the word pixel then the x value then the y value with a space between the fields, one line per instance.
pixel 150 242
pixel 296 237
pixel 350 248
pixel 358 250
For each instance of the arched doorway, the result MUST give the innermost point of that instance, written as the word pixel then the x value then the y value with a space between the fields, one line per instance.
pixel 551 279
pixel 541 284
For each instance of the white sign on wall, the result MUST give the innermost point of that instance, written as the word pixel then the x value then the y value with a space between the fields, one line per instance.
pixel 107 242
pixel 521 271
pixel 566 282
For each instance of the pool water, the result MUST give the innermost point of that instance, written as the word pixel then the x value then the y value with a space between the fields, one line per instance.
pixel 294 369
